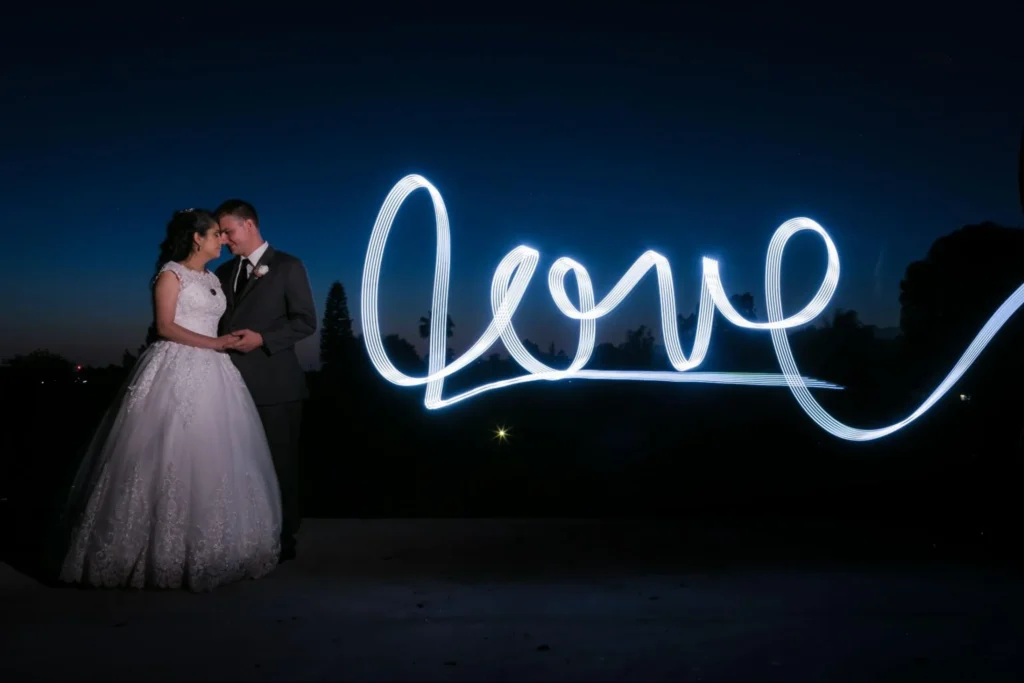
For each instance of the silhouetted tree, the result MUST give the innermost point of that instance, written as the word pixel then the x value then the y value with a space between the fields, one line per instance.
pixel 948 296
pixel 845 320
pixel 559 358
pixel 336 339
pixel 41 365
pixel 532 348
pixel 744 305
pixel 687 331
pixel 733 349
pixel 128 360
pixel 638 349
pixel 551 357
pixel 403 355
pixel 424 327
pixel 844 350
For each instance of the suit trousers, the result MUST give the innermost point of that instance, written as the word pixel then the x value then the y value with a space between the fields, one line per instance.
pixel 282 422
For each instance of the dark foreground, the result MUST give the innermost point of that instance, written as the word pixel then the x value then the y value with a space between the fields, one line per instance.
pixel 546 600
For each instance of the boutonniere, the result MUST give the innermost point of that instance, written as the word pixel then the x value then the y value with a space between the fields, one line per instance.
pixel 261 271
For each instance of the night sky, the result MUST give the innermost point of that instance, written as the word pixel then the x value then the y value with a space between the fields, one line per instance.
pixel 585 134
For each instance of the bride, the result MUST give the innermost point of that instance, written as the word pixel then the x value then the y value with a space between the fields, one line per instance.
pixel 178 487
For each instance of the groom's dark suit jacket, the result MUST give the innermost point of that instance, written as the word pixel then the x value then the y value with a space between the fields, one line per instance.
pixel 278 305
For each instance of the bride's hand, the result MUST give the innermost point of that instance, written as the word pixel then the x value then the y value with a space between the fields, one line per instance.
pixel 225 342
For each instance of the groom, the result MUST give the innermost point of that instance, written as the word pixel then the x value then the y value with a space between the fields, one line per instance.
pixel 270 308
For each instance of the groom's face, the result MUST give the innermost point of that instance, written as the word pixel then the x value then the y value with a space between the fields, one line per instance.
pixel 238 234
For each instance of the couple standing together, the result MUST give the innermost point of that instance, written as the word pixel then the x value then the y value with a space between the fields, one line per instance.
pixel 192 477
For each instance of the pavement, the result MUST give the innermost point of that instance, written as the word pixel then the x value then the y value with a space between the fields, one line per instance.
pixel 532 600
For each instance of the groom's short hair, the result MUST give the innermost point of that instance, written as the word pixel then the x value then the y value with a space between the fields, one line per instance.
pixel 239 208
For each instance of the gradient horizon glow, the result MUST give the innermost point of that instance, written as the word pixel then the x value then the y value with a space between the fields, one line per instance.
pixel 515 271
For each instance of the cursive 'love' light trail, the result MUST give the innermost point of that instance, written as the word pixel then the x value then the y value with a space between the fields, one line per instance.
pixel 515 271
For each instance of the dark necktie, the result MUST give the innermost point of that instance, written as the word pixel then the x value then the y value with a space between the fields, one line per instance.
pixel 243 276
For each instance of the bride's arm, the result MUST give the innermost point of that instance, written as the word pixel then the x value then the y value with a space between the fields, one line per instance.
pixel 165 300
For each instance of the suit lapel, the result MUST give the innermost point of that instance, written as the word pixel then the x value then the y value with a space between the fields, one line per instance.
pixel 253 279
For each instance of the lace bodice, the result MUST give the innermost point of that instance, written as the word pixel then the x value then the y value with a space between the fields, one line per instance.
pixel 201 301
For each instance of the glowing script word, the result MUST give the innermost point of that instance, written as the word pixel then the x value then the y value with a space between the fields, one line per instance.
pixel 514 272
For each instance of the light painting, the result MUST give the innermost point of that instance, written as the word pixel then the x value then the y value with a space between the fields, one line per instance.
pixel 515 271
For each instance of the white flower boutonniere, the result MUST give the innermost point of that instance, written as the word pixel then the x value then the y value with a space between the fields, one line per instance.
pixel 261 271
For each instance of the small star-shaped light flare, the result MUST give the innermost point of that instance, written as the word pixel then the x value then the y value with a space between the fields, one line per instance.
pixel 501 434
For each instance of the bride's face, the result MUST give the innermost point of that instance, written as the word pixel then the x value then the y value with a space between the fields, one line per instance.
pixel 210 243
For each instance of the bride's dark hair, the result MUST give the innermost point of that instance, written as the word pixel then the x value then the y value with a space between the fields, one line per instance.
pixel 178 243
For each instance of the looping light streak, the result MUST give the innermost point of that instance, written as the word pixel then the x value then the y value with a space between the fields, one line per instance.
pixel 513 275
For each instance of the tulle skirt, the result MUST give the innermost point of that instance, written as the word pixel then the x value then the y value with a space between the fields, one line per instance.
pixel 177 488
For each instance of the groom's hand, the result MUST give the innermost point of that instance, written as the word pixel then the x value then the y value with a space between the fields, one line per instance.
pixel 247 341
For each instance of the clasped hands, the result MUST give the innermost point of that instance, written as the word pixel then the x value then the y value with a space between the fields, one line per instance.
pixel 242 341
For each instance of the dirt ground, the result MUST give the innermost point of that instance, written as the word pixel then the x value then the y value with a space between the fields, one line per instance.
pixel 532 600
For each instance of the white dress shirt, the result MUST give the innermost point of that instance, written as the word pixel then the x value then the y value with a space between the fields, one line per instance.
pixel 249 262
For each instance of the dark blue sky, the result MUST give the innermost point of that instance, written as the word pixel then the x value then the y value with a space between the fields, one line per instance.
pixel 598 136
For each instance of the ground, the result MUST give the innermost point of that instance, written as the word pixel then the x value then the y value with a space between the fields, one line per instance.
pixel 533 600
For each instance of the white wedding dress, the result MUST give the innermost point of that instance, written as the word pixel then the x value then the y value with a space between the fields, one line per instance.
pixel 177 487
